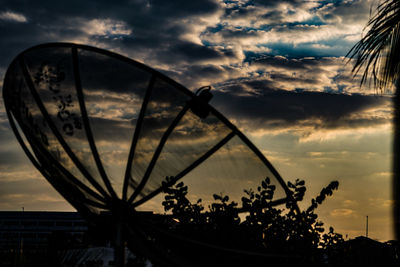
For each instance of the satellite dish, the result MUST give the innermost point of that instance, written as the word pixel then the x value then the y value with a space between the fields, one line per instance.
pixel 106 131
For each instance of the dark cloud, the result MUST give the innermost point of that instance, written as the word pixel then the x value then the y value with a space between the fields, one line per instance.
pixel 274 108
pixel 156 32
pixel 238 33
pixel 189 53
pixel 274 15
pixel 122 8
pixel 293 64
pixel 154 25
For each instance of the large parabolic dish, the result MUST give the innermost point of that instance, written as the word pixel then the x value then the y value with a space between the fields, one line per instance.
pixel 106 131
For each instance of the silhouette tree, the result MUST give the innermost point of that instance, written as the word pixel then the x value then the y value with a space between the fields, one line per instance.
pixel 265 227
pixel 378 52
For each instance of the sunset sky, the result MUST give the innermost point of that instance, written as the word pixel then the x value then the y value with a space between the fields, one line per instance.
pixel 279 73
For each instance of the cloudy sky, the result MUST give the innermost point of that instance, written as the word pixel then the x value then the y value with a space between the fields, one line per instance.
pixel 279 72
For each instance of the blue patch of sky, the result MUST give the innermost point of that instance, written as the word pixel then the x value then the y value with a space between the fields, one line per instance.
pixel 325 48
pixel 250 56
pixel 288 51
pixel 265 27
pixel 215 29
pixel 339 88
pixel 230 2
pixel 206 43
pixel 248 3
pixel 302 50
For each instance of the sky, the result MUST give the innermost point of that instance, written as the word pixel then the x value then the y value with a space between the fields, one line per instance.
pixel 278 70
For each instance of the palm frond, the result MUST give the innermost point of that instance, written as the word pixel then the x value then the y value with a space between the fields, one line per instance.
pixel 378 52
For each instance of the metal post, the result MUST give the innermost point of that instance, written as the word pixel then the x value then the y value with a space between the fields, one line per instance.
pixel 21 245
pixel 119 246
pixel 366 230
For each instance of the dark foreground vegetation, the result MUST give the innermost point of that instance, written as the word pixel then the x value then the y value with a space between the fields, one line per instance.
pixel 256 232
pixel 275 228
pixel 280 234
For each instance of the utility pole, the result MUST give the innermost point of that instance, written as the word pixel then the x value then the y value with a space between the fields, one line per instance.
pixel 366 230
pixel 21 237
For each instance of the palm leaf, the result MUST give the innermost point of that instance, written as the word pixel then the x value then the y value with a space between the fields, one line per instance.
pixel 378 52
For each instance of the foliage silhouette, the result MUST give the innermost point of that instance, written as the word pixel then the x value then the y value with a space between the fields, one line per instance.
pixel 265 227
